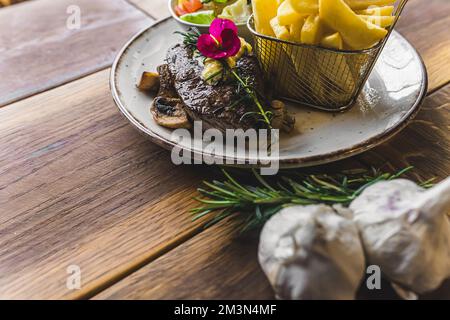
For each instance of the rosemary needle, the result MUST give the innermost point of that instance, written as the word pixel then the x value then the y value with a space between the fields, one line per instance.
pixel 254 205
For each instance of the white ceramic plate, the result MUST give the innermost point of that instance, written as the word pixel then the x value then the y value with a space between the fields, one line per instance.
pixel 390 99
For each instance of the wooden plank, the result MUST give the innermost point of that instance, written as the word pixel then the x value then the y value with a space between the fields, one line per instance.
pixel 425 25
pixel 216 265
pixel 424 144
pixel 38 51
pixel 158 9
pixel 78 185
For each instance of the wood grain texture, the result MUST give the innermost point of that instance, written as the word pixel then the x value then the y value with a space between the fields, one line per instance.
pixel 39 52
pixel 425 24
pixel 424 144
pixel 158 9
pixel 216 265
pixel 78 185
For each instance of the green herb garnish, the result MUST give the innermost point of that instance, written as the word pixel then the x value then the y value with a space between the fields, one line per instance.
pixel 190 38
pixel 254 205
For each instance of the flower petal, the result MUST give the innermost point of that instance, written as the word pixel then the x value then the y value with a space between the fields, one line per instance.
pixel 219 25
pixel 231 43
pixel 209 48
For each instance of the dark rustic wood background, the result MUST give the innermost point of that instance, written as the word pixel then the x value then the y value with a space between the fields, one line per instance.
pixel 78 185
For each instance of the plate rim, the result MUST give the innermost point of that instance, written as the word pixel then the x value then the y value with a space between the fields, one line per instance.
pixel 283 163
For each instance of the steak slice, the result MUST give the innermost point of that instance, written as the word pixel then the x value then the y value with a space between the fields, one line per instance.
pixel 218 106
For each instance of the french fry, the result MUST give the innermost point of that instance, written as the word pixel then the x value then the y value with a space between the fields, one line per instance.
pixel 281 32
pixel 379 11
pixel 364 4
pixel 356 32
pixel 335 80
pixel 306 6
pixel 312 6
pixel 303 61
pixel 286 13
pixel 340 80
pixel 264 11
pixel 333 41
pixel 312 30
pixel 381 21
pixel 295 29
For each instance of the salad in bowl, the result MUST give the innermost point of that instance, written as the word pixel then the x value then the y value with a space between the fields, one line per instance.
pixel 201 13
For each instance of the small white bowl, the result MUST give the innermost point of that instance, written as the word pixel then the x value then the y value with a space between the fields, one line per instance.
pixel 242 27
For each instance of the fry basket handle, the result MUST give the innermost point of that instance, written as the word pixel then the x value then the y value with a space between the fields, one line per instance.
pixel 398 12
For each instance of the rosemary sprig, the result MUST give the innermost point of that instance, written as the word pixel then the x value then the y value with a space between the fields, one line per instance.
pixel 254 205
pixel 190 38
pixel 252 94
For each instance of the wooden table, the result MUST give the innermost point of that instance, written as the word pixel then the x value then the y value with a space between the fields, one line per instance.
pixel 79 186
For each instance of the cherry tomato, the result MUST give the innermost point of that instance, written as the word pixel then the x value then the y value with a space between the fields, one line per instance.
pixel 192 5
pixel 180 10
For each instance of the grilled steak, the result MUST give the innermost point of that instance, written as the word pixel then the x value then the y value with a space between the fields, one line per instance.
pixel 218 106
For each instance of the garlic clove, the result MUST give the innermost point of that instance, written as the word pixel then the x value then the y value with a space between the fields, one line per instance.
pixel 343 211
pixel 310 252
pixel 405 230
pixel 436 201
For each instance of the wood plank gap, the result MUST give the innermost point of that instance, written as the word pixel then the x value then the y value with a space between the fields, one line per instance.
pixel 154 8
pixel 389 166
pixel 163 249
pixel 85 192
pixel 92 293
pixel 140 263
pixel 226 265
pixel 37 59
pixel 433 91
pixel 81 76
pixel 143 11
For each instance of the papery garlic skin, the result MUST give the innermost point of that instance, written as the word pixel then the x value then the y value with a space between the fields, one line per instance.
pixel 310 252
pixel 405 230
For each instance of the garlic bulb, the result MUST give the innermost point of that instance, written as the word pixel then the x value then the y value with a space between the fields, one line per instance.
pixel 406 232
pixel 310 252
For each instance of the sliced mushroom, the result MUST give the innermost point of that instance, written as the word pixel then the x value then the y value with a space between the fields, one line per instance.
pixel 167 108
pixel 169 113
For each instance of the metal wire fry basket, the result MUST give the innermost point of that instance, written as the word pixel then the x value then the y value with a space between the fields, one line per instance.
pixel 318 77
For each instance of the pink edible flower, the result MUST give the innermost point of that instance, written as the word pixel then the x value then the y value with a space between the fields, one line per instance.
pixel 222 42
